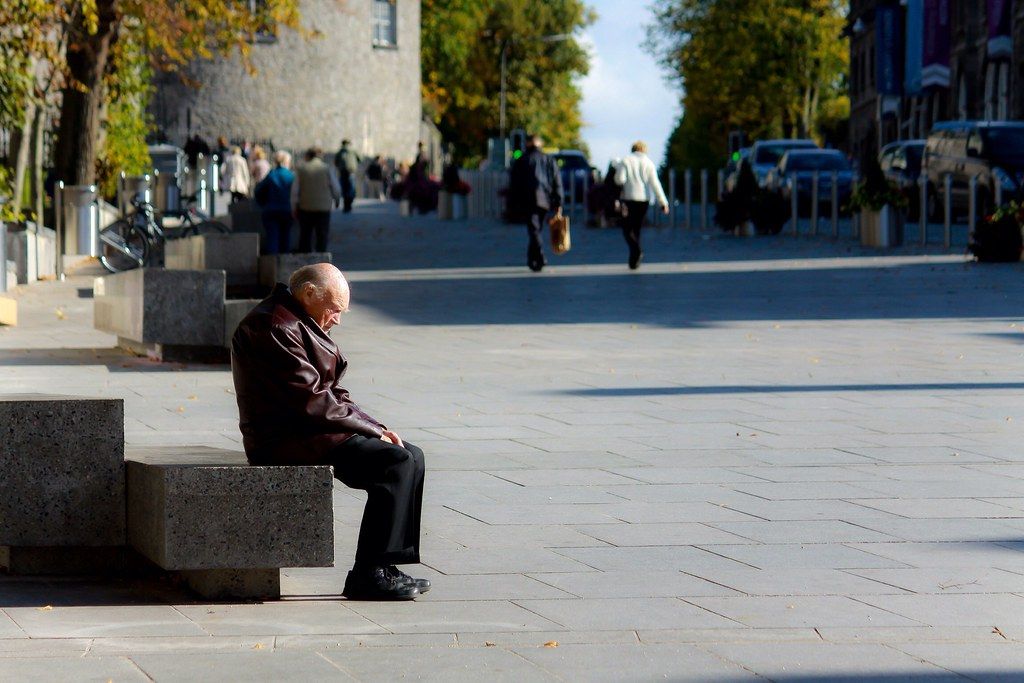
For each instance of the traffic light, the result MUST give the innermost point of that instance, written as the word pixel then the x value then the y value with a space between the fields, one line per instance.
pixel 517 142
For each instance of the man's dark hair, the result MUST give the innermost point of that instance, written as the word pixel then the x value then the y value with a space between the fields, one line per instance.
pixel 312 153
pixel 346 141
pixel 533 140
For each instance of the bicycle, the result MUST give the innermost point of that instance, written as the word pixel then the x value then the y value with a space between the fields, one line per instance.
pixel 127 242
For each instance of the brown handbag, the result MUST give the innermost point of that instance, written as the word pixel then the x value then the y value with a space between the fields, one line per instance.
pixel 560 239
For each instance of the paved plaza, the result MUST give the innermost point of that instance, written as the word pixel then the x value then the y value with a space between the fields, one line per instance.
pixel 766 458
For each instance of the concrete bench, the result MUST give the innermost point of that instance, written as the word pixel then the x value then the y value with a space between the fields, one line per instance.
pixel 274 268
pixel 164 314
pixel 227 528
pixel 62 508
pixel 236 254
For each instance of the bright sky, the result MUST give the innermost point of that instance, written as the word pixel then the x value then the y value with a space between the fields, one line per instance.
pixel 625 95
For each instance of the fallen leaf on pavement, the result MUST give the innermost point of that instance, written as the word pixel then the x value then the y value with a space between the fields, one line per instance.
pixel 551 643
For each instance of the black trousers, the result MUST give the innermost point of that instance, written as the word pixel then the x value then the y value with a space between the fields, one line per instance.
pixel 310 222
pixel 631 224
pixel 535 225
pixel 392 476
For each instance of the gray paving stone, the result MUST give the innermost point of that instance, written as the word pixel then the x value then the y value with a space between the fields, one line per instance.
pixel 627 584
pixel 947 580
pixel 264 665
pixel 795 581
pixel 966 554
pixel 286 617
pixel 95 622
pixel 9 629
pixel 914 634
pixel 980 662
pixel 810 555
pixel 448 617
pixel 180 644
pixel 98 669
pixel 954 610
pixel 630 663
pixel 438 664
pixel 651 558
pixel 337 641
pixel 681 533
pixel 44 647
pixel 824 661
pixel 807 531
pixel 811 611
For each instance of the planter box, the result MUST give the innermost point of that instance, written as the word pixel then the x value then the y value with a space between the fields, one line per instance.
pixel 444 205
pixel 883 228
pixel 236 254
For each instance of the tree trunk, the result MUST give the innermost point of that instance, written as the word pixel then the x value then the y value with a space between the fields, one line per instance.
pixel 38 191
pixel 87 56
pixel 22 157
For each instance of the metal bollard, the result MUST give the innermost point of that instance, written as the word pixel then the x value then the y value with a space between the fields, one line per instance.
pixel 213 182
pixel 922 207
pixel 794 205
pixel 815 182
pixel 58 219
pixel 3 256
pixel 586 194
pixel 672 196
pixel 947 203
pixel 704 199
pixel 688 197
pixel 972 204
pixel 835 204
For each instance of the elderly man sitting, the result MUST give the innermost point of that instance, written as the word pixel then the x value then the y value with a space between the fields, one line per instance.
pixel 294 411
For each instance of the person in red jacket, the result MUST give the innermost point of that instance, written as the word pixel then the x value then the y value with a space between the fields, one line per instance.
pixel 293 410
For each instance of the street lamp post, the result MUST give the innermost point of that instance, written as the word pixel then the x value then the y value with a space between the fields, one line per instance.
pixel 554 38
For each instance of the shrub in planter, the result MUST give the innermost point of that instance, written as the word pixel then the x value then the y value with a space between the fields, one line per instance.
pixel 997 238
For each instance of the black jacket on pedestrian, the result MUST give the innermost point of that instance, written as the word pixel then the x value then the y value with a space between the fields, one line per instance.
pixel 534 183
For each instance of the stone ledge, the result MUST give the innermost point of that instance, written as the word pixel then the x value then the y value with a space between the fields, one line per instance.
pixel 274 268
pixel 61 471
pixel 234 253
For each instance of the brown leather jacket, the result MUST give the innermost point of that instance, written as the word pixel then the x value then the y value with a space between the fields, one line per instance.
pixel 287 371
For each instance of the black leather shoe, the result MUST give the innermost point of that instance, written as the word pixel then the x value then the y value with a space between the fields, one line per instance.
pixel 423 585
pixel 634 261
pixel 378 584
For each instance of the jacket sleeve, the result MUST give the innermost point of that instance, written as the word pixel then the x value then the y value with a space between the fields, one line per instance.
pixel 655 184
pixel 322 407
pixel 620 173
pixel 556 184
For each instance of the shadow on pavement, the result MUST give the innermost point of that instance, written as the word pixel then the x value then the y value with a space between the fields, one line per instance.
pixel 784 389
pixel 694 299
pixel 114 359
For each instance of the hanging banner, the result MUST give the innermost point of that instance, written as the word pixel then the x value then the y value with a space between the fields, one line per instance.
pixel 914 47
pixel 1000 42
pixel 889 50
pixel 935 57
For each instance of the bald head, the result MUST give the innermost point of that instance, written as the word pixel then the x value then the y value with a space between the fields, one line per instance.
pixel 323 292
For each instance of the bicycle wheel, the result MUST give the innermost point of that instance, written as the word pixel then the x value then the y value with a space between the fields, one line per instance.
pixel 123 246
pixel 211 227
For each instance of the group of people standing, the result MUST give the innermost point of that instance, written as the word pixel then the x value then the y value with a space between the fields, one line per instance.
pixel 535 190
pixel 305 194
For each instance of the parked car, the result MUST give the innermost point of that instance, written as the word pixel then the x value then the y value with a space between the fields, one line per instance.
pixel 991 151
pixel 575 169
pixel 732 167
pixel 901 164
pixel 803 163
pixel 766 154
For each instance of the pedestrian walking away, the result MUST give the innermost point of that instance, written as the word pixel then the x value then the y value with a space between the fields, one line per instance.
pixel 346 161
pixel 315 191
pixel 273 196
pixel 376 172
pixel 638 178
pixel 535 188
pixel 235 176
pixel 293 410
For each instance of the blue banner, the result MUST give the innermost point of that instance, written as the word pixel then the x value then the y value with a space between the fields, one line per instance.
pixel 889 46
pixel 915 47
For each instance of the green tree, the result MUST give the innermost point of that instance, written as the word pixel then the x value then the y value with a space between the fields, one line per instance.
pixel 461 46
pixel 768 67
pixel 169 32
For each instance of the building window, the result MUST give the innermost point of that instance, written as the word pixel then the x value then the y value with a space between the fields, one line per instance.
pixel 385 23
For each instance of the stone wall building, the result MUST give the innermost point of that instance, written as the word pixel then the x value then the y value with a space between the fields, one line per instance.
pixel 939 60
pixel 359 80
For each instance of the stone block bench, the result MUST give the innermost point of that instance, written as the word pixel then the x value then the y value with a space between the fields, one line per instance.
pixel 274 268
pixel 164 314
pixel 237 254
pixel 225 527
pixel 62 484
